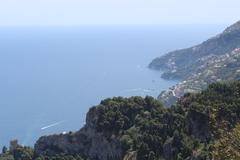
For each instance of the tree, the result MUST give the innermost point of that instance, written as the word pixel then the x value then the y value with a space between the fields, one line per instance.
pixel 4 150
pixel 23 153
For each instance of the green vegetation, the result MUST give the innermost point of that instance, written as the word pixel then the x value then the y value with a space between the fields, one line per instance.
pixel 200 126
pixel 22 153
pixel 6 156
pixel 60 157
pixel 228 145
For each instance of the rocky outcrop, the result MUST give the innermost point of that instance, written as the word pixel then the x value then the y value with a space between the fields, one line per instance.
pixel 87 142
pixel 130 156
pixel 168 149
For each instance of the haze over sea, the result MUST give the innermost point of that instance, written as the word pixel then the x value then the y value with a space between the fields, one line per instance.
pixel 50 77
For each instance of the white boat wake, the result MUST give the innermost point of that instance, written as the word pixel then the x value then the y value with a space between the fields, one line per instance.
pixel 52 125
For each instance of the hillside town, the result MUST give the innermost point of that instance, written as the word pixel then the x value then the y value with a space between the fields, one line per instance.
pixel 213 68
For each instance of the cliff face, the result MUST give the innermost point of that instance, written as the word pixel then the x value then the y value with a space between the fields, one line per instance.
pixel 198 125
pixel 216 59
pixel 87 142
pixel 109 133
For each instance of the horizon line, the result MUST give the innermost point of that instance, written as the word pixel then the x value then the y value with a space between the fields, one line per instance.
pixel 103 25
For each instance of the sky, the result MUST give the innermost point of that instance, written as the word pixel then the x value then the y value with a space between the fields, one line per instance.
pixel 117 12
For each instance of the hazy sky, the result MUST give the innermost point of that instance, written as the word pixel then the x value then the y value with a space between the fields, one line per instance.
pixel 79 12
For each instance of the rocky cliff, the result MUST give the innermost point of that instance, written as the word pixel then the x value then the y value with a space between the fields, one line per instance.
pixel 88 142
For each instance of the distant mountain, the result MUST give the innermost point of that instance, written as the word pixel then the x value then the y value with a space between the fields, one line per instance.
pixel 216 59
pixel 199 127
pixel 183 63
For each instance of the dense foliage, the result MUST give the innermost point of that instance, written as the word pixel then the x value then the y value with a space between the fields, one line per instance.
pixel 199 126
pixel 228 145
pixel 183 131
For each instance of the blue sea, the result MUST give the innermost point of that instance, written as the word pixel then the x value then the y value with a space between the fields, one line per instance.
pixel 51 76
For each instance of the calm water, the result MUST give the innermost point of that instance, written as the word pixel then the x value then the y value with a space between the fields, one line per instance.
pixel 49 77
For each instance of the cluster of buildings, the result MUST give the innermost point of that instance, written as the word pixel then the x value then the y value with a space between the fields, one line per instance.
pixel 208 72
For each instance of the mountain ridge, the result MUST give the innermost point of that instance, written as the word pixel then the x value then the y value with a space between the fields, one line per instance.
pixel 176 64
pixel 198 66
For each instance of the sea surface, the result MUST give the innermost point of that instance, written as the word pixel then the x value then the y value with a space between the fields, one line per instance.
pixel 51 76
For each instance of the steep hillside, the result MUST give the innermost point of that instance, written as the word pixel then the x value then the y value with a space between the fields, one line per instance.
pixel 212 69
pixel 142 129
pixel 216 59
pixel 183 63
pixel 200 126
